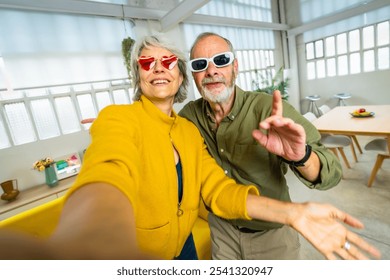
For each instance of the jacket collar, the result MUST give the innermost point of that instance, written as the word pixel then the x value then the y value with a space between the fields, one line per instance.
pixel 156 114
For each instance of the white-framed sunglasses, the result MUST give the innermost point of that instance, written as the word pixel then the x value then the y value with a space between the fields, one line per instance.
pixel 219 60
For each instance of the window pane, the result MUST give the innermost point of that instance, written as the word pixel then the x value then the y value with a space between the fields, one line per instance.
pixel 319 45
pixel 252 61
pixel 369 61
pixel 321 69
pixel 330 46
pixel 120 97
pixel 311 71
pixel 257 59
pixel 4 141
pixel 36 92
pixel 309 51
pixel 244 62
pixel 101 85
pixel 87 109
pixel 240 80
pixel 271 58
pixel 354 40
pixel 44 118
pixel 383 33
pixel 131 94
pixel 60 89
pixel 262 59
pixel 19 123
pixel 331 67
pixel 248 81
pixel 11 95
pixel 383 58
pixel 342 65
pixel 82 87
pixel 354 60
pixel 103 99
pixel 341 43
pixel 368 37
pixel 67 115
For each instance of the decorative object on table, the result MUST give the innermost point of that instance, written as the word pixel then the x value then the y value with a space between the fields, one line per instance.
pixel 362 113
pixel 46 164
pixel 68 165
pixel 269 82
pixel 10 189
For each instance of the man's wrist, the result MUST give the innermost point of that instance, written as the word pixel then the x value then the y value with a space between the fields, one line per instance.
pixel 302 161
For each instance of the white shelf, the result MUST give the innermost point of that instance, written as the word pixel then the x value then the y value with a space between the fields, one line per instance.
pixel 34 197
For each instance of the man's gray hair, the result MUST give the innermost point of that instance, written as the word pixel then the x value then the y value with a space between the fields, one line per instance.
pixel 209 34
pixel 159 42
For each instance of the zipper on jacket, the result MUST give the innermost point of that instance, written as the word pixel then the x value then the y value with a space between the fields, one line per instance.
pixel 179 210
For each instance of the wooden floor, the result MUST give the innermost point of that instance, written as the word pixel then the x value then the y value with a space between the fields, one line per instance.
pixel 370 205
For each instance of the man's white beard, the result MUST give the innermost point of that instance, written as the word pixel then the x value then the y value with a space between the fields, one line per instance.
pixel 221 97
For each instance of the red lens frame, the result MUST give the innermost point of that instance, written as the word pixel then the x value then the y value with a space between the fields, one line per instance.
pixel 148 62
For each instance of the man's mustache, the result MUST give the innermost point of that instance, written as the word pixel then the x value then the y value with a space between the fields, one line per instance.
pixel 206 81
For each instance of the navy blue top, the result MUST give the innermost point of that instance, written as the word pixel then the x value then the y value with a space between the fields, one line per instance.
pixel 189 251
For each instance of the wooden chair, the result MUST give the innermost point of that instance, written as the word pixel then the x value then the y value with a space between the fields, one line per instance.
pixel 380 145
pixel 323 110
pixel 335 143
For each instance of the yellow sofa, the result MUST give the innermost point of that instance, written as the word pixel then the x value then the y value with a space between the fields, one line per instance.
pixel 42 220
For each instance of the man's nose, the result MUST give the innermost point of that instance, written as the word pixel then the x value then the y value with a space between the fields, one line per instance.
pixel 211 69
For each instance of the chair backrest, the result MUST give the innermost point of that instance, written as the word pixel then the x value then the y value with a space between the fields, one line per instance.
pixel 310 116
pixel 324 109
pixel 379 144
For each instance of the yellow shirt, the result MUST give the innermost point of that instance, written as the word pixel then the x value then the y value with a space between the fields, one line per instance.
pixel 132 149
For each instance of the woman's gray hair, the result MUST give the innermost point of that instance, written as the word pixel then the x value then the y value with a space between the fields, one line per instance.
pixel 159 42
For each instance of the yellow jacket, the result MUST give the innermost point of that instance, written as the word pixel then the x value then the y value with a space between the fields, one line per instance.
pixel 132 149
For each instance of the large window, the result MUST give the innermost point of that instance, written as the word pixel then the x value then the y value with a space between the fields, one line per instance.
pixel 41 113
pixel 55 70
pixel 359 50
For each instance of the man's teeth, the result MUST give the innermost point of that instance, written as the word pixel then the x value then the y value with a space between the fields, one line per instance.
pixel 155 82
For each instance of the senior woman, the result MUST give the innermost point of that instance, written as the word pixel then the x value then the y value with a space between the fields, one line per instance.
pixel 146 171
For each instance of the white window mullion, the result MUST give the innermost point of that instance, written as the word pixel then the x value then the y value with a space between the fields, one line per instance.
pixel 5 134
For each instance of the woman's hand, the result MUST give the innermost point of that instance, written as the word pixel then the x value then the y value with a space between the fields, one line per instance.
pixel 322 225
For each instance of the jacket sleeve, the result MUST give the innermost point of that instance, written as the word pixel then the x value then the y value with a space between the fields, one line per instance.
pixel 221 194
pixel 105 159
pixel 331 172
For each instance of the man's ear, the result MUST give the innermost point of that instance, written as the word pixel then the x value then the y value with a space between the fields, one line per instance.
pixel 235 67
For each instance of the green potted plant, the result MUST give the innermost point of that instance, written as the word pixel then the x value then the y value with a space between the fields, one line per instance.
pixel 269 84
pixel 127 45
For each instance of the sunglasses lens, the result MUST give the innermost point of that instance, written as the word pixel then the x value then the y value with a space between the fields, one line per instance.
pixel 169 62
pixel 222 60
pixel 147 62
pixel 199 64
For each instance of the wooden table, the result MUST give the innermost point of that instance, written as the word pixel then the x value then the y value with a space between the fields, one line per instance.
pixel 339 121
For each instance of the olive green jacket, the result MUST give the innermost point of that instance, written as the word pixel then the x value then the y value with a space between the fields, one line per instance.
pixel 243 159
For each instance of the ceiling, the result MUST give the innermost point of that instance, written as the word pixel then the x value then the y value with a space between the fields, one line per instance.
pixel 182 12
